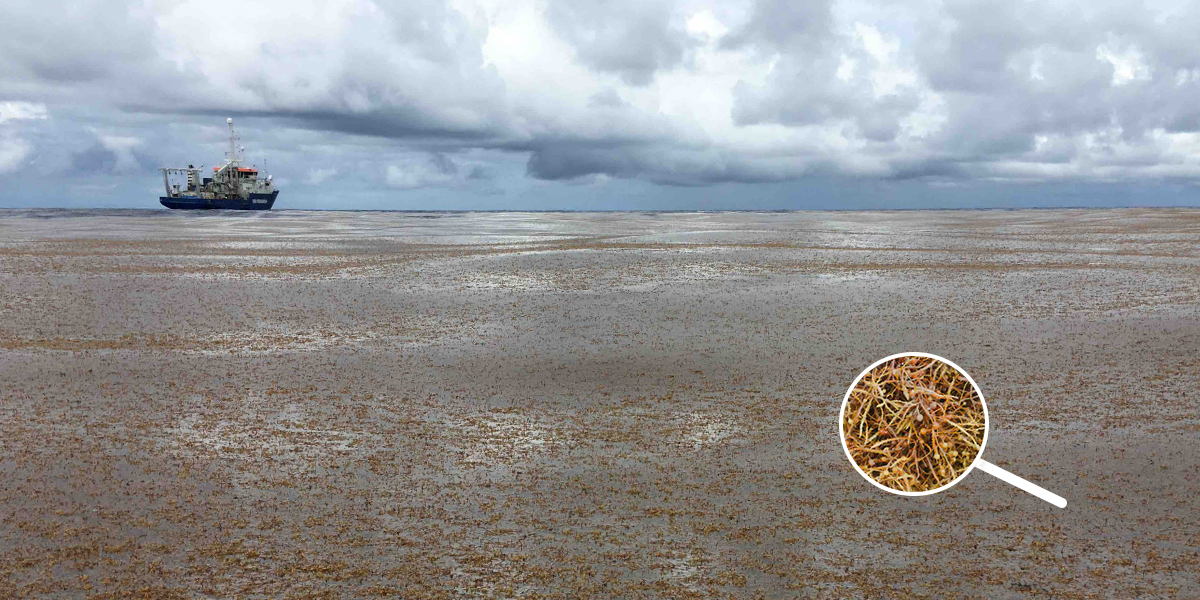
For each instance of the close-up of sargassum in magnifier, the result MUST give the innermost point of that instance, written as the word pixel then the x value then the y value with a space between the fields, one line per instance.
pixel 914 423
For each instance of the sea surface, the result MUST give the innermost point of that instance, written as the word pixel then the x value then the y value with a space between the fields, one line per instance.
pixel 605 405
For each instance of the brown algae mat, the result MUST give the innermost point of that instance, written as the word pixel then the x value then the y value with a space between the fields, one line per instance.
pixel 914 423
pixel 586 405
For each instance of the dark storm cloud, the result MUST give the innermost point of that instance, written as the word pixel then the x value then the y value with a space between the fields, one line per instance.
pixel 936 168
pixel 567 162
pixel 397 123
pixel 653 163
pixel 670 92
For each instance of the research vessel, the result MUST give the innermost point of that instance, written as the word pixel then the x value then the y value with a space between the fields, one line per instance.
pixel 231 187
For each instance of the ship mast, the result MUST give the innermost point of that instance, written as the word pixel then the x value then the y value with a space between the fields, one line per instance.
pixel 232 151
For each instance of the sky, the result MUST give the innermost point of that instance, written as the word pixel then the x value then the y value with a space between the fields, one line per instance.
pixel 607 105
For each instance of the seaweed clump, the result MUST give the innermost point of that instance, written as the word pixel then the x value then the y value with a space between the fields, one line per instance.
pixel 914 423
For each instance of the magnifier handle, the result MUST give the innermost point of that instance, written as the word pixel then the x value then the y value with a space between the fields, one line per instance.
pixel 1028 486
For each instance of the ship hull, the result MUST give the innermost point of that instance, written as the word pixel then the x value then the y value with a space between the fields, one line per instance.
pixel 254 202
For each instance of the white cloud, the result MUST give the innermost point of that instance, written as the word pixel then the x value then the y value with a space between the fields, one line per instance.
pixel 682 91
pixel 1127 63
pixel 12 111
pixel 13 150
pixel 318 176
pixel 428 170
pixel 704 24
pixel 122 147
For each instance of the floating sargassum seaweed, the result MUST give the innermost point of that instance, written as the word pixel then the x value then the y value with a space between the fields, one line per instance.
pixel 914 423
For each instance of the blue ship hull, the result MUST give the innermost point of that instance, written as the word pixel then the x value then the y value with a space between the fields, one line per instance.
pixel 254 202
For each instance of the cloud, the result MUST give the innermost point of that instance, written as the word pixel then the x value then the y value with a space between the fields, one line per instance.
pixel 431 170
pixel 395 69
pixel 12 111
pixel 318 176
pixel 634 39
pixel 782 25
pixel 433 93
pixel 109 154
pixel 13 150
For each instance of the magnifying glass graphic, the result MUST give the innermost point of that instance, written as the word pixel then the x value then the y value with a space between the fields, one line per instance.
pixel 916 424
